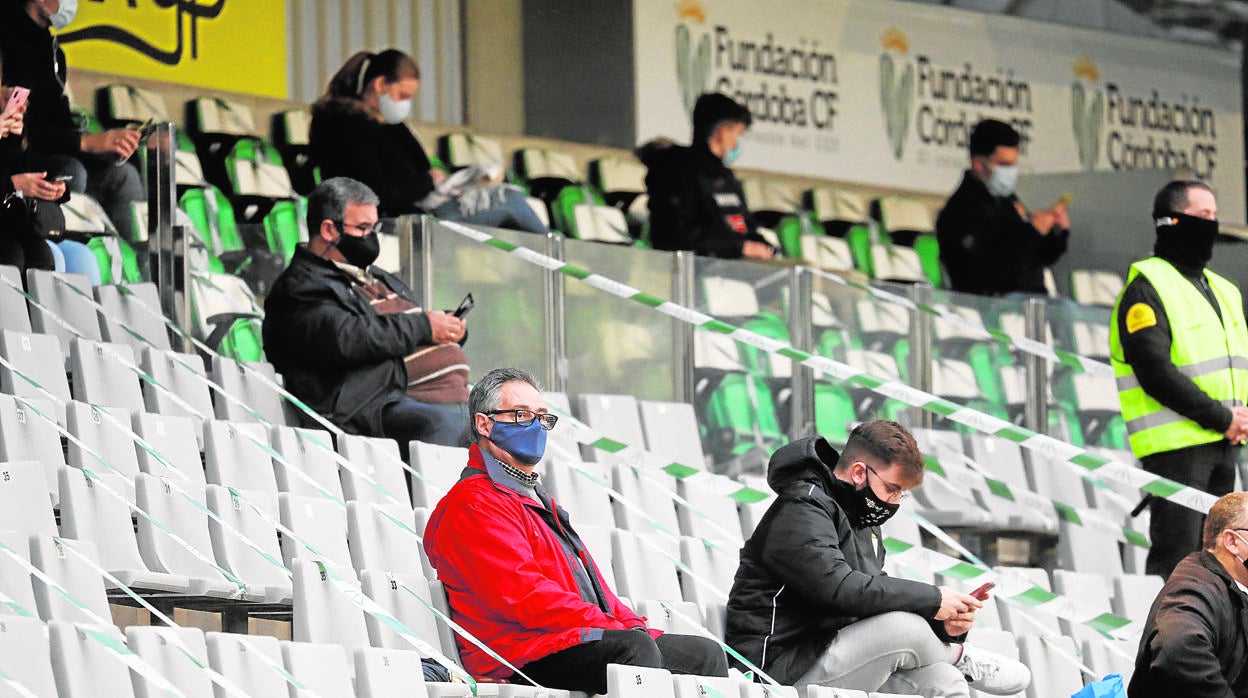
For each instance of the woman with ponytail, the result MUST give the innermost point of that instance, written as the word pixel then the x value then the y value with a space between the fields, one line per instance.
pixel 358 132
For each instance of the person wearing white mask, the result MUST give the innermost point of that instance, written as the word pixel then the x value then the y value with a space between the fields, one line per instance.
pixel 1195 640
pixel 696 202
pixel 358 131
pixel 55 145
pixel 990 243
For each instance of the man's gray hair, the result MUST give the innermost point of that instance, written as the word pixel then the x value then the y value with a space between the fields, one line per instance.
pixel 485 393
pixel 329 200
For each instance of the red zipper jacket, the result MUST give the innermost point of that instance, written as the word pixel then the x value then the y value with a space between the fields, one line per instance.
pixel 507 578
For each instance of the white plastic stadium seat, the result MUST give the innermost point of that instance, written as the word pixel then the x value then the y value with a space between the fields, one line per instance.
pixel 638 682
pixel 239 557
pixel 27 655
pixel 383 673
pixel 322 612
pixel 102 431
pixel 317 522
pixel 39 358
pixel 165 650
pixel 84 665
pixel 91 513
pixel 235 456
pixel 377 465
pixel 323 669
pixel 248 661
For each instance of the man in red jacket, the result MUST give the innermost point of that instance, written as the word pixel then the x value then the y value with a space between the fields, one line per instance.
pixel 517 575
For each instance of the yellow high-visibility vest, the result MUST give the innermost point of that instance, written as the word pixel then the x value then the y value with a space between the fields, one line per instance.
pixel 1212 352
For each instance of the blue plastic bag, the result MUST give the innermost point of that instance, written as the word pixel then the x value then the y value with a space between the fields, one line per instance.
pixel 1108 687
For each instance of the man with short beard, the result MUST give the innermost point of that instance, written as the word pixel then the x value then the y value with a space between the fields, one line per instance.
pixel 811 604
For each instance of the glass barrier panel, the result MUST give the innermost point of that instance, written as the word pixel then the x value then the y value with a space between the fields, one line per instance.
pixel 507 325
pixel 616 345
pixel 839 313
pixel 743 393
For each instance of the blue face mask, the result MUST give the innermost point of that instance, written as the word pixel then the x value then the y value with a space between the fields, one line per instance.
pixel 733 155
pixel 525 444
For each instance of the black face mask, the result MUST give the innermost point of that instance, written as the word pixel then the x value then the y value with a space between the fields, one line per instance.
pixel 864 506
pixel 1187 240
pixel 359 251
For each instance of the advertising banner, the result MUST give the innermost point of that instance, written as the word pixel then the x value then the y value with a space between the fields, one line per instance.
pixel 232 45
pixel 885 93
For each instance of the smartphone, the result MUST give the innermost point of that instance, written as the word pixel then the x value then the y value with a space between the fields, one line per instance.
pixel 981 593
pixel 464 306
pixel 17 97
pixel 63 178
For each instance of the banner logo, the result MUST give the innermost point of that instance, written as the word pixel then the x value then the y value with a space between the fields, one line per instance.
pixel 183 9
pixel 896 91
pixel 1087 111
pixel 220 45
pixel 693 63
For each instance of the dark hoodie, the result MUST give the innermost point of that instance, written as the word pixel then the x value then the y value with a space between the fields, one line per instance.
pixel 347 141
pixel 806 573
pixel 1148 349
pixel 696 202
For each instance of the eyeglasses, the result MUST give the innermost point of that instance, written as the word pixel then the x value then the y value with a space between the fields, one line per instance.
pixel 526 417
pixel 364 229
pixel 892 491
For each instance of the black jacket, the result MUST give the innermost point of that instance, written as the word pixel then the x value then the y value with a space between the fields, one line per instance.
pixel 806 573
pixel 696 203
pixel 33 60
pixel 1195 642
pixel 333 350
pixel 988 245
pixel 1147 350
pixel 346 141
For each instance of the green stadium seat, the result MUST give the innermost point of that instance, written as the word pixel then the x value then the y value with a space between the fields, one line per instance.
pixel 843 214
pixel 215 125
pixel 622 181
pixel 909 222
pixel 563 210
pixel 598 223
pixel 129 106
pixel 290 136
pixel 226 316
pixel 285 227
pixel 544 172
pixel 770 199
pixel 461 149
pixel 834 412
pixel 117 260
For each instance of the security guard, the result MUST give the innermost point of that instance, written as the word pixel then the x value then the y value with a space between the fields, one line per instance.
pixel 1179 347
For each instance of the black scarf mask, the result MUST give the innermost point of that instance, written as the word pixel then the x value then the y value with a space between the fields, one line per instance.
pixel 864 506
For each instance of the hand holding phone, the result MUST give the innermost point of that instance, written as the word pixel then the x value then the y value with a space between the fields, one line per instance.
pixel 981 592
pixel 465 306
pixel 17 97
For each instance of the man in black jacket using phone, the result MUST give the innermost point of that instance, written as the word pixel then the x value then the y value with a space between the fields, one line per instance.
pixel 349 339
pixel 811 604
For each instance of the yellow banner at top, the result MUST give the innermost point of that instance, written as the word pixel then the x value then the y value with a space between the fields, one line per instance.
pixel 233 45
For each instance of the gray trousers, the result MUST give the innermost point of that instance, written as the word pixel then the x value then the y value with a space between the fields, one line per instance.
pixel 893 652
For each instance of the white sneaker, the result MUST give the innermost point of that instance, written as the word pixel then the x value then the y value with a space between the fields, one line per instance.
pixel 989 672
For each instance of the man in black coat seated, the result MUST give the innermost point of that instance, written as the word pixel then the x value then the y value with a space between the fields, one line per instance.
pixel 696 202
pixel 1195 641
pixel 989 242
pixel 811 604
pixel 349 339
